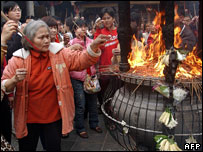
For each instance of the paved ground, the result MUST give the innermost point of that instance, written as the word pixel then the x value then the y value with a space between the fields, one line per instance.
pixel 95 142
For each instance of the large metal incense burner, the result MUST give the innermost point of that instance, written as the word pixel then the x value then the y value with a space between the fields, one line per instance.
pixel 132 109
pixel 132 113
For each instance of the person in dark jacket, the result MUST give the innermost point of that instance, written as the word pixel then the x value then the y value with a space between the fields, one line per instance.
pixel 187 35
pixel 13 12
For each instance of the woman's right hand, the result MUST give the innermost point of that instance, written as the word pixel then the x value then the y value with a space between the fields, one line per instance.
pixel 99 41
pixel 20 75
pixel 99 23
pixel 8 29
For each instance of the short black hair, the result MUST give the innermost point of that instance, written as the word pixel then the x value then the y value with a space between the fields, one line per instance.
pixel 8 6
pixel 108 10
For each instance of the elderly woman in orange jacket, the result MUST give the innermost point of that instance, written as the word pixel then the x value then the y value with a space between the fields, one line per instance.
pixel 43 91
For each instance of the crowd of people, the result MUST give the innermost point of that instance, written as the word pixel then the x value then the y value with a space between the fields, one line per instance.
pixel 42 80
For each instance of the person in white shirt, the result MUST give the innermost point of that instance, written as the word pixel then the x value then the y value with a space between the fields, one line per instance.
pixel 146 33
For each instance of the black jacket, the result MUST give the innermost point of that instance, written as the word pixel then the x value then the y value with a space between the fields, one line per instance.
pixel 13 45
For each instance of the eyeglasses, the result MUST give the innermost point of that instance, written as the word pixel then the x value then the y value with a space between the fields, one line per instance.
pixel 16 10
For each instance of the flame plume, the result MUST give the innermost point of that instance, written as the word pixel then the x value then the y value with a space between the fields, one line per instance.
pixel 146 60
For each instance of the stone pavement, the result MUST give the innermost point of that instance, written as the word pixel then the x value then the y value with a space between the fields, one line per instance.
pixel 95 142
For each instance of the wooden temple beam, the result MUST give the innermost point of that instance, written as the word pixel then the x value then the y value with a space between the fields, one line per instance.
pixel 124 34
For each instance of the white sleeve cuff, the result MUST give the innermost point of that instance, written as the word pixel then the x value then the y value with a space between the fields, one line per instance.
pixel 92 53
pixel 4 88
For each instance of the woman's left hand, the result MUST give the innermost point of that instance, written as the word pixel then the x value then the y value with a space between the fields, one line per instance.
pixel 20 75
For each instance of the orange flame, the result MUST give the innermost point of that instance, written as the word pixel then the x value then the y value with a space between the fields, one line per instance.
pixel 177 38
pixel 191 66
pixel 176 13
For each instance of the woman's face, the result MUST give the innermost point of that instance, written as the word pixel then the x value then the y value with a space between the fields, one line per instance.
pixel 42 39
pixel 108 20
pixel 53 32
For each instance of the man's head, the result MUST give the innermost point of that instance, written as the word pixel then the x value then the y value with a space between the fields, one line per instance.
pixel 187 20
pixel 12 11
pixel 147 27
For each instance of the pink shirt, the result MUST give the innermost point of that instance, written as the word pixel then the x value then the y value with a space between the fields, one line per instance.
pixel 80 75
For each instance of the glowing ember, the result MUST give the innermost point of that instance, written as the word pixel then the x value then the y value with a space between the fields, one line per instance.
pixel 146 60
